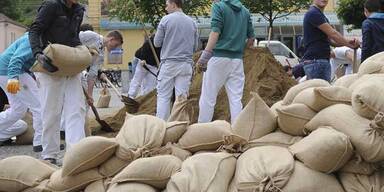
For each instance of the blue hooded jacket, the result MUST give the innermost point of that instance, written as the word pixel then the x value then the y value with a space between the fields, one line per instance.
pixel 373 35
pixel 17 58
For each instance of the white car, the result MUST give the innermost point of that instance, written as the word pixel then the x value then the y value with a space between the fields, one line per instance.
pixel 281 53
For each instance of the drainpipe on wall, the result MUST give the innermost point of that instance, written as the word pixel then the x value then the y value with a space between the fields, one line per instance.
pixel 6 35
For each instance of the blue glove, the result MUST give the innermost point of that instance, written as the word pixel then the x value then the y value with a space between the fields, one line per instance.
pixel 203 60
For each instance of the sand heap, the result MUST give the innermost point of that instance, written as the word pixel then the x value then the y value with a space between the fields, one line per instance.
pixel 263 74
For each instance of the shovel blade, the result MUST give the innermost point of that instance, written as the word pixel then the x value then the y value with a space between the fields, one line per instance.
pixel 105 127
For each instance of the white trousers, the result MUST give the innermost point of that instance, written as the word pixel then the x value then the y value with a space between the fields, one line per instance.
pixel 28 97
pixel 335 65
pixel 173 74
pixel 144 79
pixel 221 72
pixel 61 96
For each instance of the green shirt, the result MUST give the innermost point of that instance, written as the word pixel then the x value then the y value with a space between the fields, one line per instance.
pixel 233 22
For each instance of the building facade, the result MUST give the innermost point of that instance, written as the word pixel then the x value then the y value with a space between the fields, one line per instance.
pixel 9 31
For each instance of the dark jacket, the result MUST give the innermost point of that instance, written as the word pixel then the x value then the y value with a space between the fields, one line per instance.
pixel 56 23
pixel 145 53
pixel 373 35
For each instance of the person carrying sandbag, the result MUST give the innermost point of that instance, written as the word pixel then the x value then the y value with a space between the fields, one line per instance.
pixel 222 59
pixel 21 90
pixel 57 22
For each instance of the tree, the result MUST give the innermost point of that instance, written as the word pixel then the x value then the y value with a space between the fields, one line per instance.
pixel 151 11
pixel 275 9
pixel 351 12
pixel 11 9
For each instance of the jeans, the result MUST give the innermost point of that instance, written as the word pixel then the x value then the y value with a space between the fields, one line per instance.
pixel 318 69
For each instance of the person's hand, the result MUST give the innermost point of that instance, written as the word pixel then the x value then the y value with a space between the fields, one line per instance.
pixel 103 76
pixel 46 63
pixel 13 86
pixel 143 62
pixel 354 43
pixel 90 101
pixel 203 60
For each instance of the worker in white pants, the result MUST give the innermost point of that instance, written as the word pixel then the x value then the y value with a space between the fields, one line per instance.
pixel 143 81
pixel 343 56
pixel 21 90
pixel 178 37
pixel 222 59
pixel 173 74
pixel 231 76
pixel 61 95
pixel 27 97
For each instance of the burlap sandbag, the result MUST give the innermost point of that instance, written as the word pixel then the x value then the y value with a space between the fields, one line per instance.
pixel 98 186
pixel 362 183
pixel 276 106
pixel 104 98
pixel 264 169
pixel 42 187
pixel 169 149
pixel 154 171
pixel 174 130
pixel 131 187
pixel 72 183
pixel 112 166
pixel 69 60
pixel 278 138
pixel 346 80
pixel 367 141
pixel 292 118
pixel 88 153
pixel 366 78
pixel 357 165
pixel 293 91
pixel 255 120
pixel 204 172
pixel 368 99
pixel 325 150
pixel 20 172
pixel 205 136
pixel 304 179
pixel 139 133
pixel 182 109
pixel 27 137
pixel 373 64
pixel 319 98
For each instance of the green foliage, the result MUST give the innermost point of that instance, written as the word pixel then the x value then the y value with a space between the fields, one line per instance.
pixel 351 12
pixel 11 9
pixel 274 9
pixel 151 11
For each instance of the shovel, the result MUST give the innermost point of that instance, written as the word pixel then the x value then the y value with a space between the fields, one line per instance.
pixel 104 125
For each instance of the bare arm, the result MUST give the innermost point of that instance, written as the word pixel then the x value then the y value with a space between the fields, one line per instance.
pixel 336 38
pixel 212 40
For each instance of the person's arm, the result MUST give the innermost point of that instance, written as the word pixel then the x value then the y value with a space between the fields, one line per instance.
pixel 250 33
pixel 217 26
pixel 196 44
pixel 160 34
pixel 22 54
pixel 336 37
pixel 366 49
pixel 44 19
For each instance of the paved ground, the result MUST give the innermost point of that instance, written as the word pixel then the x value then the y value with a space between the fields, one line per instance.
pixel 7 151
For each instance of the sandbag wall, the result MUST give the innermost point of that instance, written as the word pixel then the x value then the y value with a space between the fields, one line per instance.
pixel 319 138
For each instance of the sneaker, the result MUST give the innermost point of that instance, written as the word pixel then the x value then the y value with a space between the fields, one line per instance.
pixel 39 148
pixel 6 142
pixel 51 160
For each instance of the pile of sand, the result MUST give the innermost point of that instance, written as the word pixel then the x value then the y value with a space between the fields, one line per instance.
pixel 263 74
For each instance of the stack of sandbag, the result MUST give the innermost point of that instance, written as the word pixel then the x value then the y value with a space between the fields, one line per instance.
pixel 104 98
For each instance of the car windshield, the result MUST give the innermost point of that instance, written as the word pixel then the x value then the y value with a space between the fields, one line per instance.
pixel 277 49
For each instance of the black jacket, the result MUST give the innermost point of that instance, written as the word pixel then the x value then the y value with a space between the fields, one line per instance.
pixel 373 36
pixel 145 53
pixel 56 23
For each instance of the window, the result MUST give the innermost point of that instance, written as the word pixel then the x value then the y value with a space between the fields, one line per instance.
pixel 13 37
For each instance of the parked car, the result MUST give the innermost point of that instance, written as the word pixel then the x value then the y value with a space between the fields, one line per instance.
pixel 281 53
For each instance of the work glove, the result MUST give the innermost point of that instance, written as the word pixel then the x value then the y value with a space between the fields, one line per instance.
pixel 13 86
pixel 203 60
pixel 46 63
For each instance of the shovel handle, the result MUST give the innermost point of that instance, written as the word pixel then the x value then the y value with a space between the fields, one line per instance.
pixel 355 67
pixel 97 116
pixel 113 87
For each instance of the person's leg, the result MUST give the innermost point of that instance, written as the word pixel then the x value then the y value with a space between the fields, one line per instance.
pixel 234 88
pixel 137 79
pixel 51 100
pixel 74 110
pixel 10 116
pixel 30 93
pixel 150 81
pixel 3 99
pixel 348 69
pixel 16 129
pixel 183 79
pixel 213 79
pixel 165 85
pixel 324 70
